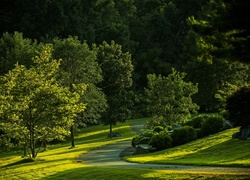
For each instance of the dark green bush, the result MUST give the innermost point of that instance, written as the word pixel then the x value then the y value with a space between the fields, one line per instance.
pixel 158 129
pixel 161 140
pixel 143 138
pixel 238 106
pixel 197 121
pixel 183 135
pixel 212 125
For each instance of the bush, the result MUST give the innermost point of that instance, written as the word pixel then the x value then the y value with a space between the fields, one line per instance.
pixel 183 135
pixel 161 140
pixel 238 106
pixel 158 129
pixel 143 138
pixel 212 125
pixel 197 121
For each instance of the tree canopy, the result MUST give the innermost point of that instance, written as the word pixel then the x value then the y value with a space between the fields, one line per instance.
pixel 34 107
pixel 169 98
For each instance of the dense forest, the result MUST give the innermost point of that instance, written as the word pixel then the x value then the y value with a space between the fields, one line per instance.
pixel 119 49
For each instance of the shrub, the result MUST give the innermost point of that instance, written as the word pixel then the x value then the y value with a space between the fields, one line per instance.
pixel 161 140
pixel 183 135
pixel 238 106
pixel 143 138
pixel 158 129
pixel 212 125
pixel 197 121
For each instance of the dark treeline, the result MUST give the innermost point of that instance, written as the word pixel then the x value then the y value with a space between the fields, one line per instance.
pixel 208 40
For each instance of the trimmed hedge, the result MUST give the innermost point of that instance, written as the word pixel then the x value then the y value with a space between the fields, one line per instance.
pixel 212 125
pixel 183 135
pixel 161 140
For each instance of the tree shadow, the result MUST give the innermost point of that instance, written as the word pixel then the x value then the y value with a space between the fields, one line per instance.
pixel 22 161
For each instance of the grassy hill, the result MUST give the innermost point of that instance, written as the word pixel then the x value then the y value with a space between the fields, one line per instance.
pixel 215 150
pixel 59 162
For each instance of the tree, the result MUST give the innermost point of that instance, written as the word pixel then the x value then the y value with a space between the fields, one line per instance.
pixel 79 65
pixel 222 31
pixel 216 47
pixel 117 71
pixel 238 106
pixel 213 78
pixel 15 48
pixel 169 98
pixel 34 107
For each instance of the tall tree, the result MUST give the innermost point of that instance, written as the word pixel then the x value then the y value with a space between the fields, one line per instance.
pixel 222 31
pixel 79 65
pixel 216 40
pixel 34 107
pixel 117 71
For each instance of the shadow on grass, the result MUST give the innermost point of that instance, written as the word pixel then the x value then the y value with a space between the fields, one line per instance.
pixel 114 173
pixel 22 161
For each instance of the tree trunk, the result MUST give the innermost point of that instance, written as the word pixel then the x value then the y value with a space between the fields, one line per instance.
pixel 25 150
pixel 110 130
pixel 44 145
pixel 72 136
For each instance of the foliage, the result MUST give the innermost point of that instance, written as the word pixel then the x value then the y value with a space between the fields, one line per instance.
pixel 197 121
pixel 238 106
pixel 33 105
pixel 212 125
pixel 169 98
pixel 161 140
pixel 143 138
pixel 79 65
pixel 158 129
pixel 183 135
pixel 117 71
pixel 215 81
pixel 15 48
pixel 220 31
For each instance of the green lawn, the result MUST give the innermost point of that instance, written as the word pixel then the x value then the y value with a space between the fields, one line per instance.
pixel 59 162
pixel 215 150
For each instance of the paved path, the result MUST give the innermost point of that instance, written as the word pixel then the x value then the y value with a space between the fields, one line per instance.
pixel 109 155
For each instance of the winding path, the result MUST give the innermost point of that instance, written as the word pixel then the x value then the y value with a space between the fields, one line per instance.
pixel 109 155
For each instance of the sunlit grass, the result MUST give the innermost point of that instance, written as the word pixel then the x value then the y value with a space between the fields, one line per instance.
pixel 59 161
pixel 60 158
pixel 216 150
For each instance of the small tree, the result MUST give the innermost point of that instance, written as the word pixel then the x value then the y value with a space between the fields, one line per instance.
pixel 33 106
pixel 169 98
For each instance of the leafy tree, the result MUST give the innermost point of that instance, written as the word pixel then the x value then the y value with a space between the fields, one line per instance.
pixel 117 71
pixel 79 65
pixel 169 98
pixel 34 107
pixel 15 48
pixel 238 106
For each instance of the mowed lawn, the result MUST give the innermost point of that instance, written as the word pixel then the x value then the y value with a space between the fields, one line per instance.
pixel 215 150
pixel 59 162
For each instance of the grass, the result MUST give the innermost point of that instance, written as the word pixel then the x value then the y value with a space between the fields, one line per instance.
pixel 59 162
pixel 215 150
